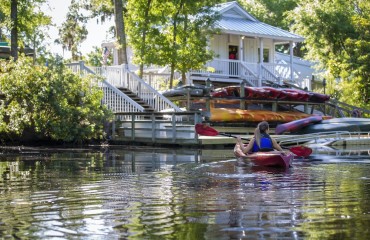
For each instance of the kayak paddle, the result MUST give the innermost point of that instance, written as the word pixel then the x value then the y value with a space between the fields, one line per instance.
pixel 205 130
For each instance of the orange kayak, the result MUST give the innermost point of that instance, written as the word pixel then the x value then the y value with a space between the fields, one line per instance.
pixel 238 115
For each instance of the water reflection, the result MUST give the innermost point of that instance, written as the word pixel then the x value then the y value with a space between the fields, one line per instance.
pixel 143 193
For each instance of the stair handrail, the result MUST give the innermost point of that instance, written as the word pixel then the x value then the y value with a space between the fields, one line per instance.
pixel 268 75
pixel 347 107
pixel 120 106
pixel 121 103
pixel 120 76
pixel 247 77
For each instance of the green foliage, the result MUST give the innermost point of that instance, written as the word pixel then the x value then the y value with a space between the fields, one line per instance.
pixel 73 31
pixel 271 12
pixel 337 34
pixel 31 21
pixel 274 13
pixel 49 102
pixel 99 8
pixel 173 33
pixel 95 58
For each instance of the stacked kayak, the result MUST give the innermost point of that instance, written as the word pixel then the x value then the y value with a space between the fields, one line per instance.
pixel 266 159
pixel 338 124
pixel 269 93
pixel 296 125
pixel 239 115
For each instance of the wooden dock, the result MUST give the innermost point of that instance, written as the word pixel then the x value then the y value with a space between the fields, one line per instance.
pixel 177 129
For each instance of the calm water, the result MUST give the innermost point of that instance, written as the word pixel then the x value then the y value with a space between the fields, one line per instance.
pixel 148 193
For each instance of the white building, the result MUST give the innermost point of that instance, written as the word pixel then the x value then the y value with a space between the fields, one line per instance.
pixel 245 50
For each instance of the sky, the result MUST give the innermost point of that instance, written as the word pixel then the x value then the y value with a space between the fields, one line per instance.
pixel 97 32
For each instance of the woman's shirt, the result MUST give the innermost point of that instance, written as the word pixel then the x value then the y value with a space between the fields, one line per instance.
pixel 266 144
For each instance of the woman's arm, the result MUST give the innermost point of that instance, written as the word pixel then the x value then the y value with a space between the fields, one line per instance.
pixel 276 145
pixel 246 149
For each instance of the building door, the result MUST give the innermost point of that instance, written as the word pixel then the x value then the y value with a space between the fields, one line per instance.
pixel 233 65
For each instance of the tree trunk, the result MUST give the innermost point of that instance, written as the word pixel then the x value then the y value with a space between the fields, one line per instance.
pixel 173 51
pixel 146 16
pixel 120 32
pixel 14 29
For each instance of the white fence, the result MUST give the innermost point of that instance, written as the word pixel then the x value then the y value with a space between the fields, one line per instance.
pixel 117 77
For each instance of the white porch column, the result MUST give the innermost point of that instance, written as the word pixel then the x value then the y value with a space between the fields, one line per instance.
pixel 291 60
pixel 260 64
pixel 115 56
pixel 241 48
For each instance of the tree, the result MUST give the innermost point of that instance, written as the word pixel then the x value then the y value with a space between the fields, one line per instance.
pixel 274 13
pixel 72 33
pixel 2 20
pixel 14 29
pixel 270 12
pixel 143 20
pixel 94 58
pixel 189 28
pixel 106 9
pixel 23 20
pixel 169 33
pixel 336 34
pixel 120 31
pixel 49 103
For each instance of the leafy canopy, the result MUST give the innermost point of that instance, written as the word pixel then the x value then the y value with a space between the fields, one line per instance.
pixel 49 103
pixel 337 34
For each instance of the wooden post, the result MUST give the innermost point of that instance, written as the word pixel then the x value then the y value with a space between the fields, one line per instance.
pixel 153 127
pixel 274 106
pixel 173 127
pixel 82 66
pixel 133 127
pixel 208 101
pixel 242 94
pixel 260 64
pixel 306 108
pixel 113 128
pixel 291 60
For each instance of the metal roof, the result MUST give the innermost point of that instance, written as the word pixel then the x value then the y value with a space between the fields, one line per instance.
pixel 236 20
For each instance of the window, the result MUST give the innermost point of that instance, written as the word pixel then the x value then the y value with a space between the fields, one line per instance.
pixel 266 55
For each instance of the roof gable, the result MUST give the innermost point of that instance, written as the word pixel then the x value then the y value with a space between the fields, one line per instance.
pixel 236 20
pixel 233 9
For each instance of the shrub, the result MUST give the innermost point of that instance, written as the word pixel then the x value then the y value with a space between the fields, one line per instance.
pixel 49 103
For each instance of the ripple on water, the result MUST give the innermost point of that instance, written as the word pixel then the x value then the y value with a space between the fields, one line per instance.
pixel 93 197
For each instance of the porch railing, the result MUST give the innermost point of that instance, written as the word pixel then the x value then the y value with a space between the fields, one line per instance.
pixel 159 81
pixel 248 71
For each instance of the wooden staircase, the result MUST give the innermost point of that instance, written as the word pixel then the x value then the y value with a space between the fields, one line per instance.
pixel 134 97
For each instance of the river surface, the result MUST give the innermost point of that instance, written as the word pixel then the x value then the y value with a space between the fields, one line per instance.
pixel 151 193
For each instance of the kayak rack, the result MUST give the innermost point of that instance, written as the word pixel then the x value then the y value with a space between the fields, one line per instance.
pixel 324 138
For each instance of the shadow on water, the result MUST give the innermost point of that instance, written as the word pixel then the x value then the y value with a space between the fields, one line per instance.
pixel 155 193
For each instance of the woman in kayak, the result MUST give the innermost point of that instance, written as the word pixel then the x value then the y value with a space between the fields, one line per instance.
pixel 261 142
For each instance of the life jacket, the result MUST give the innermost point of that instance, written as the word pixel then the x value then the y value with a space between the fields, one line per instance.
pixel 266 144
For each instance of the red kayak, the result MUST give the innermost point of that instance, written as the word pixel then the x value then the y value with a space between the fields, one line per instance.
pixel 267 159
pixel 294 126
pixel 270 93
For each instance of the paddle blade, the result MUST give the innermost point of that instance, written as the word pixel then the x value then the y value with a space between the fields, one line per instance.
pixel 205 130
pixel 301 151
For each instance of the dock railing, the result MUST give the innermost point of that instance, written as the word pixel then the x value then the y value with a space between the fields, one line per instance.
pixel 322 137
pixel 156 127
